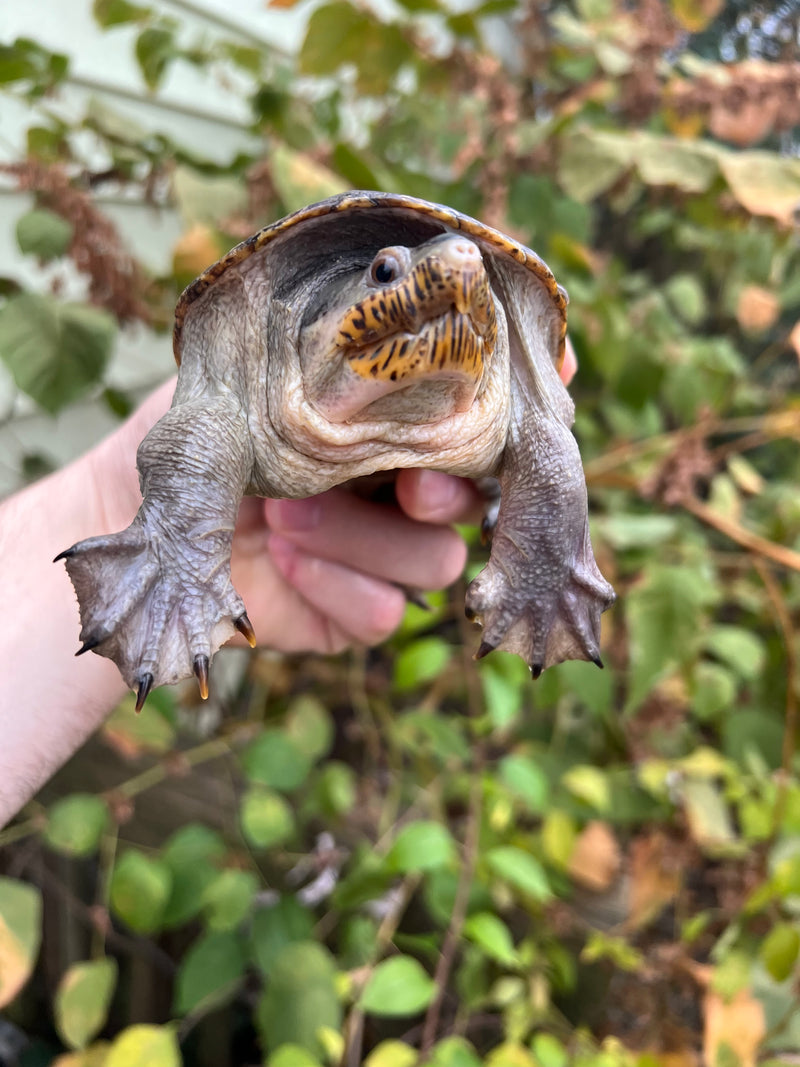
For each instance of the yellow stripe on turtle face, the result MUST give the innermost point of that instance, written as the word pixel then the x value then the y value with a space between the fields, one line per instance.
pixel 439 319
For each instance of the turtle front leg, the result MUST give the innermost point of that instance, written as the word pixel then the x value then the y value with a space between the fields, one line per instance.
pixel 157 598
pixel 541 594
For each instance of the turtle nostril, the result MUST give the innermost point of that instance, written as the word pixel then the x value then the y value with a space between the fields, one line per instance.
pixel 465 250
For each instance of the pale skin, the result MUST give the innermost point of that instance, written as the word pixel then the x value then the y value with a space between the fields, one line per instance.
pixel 303 567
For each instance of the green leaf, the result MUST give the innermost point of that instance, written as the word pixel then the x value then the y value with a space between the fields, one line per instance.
pixel 145 1046
pixel 422 846
pixel 637 531
pixel 591 162
pixel 520 870
pixel 275 927
pixel 117 12
pixel 44 234
pixel 526 780
pixel 779 950
pixel 210 972
pixel 688 298
pixel 335 790
pixel 293 1056
pixel 155 49
pixel 192 855
pixel 300 998
pixel 82 1001
pixel 740 649
pixel 421 662
pixel 549 1051
pixel 691 167
pixel 664 614
pixel 267 820
pixel 54 351
pixel 76 823
pixel 207 199
pixel 276 760
pixel 492 935
pixel 20 935
pixel 309 724
pixel 228 899
pixel 398 986
pixel 453 1052
pixel 140 889
pixel 339 33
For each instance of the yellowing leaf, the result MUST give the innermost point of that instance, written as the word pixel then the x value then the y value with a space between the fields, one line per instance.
pixel 737 1025
pixel 144 1046
pixel 763 183
pixel 391 1054
pixel 794 338
pixel 757 309
pixel 300 180
pixel 88 1057
pixel 695 15
pixel 595 859
pixel 20 934
pixel 195 250
pixel 82 1000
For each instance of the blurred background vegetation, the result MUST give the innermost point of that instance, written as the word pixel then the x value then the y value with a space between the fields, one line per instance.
pixel 400 856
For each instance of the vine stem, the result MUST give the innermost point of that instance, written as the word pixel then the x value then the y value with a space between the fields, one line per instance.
pixel 455 928
pixel 789 636
pixel 761 546
pixel 355 1023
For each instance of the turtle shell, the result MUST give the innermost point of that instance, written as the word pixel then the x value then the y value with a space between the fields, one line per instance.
pixel 359 201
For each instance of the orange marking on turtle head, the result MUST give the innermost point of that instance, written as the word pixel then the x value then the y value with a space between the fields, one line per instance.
pixel 437 318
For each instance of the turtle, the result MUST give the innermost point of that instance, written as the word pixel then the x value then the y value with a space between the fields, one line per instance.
pixel 368 332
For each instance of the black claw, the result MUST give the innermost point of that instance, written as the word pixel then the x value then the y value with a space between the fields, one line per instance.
pixel 87 646
pixel 245 628
pixel 200 669
pixel 65 554
pixel 484 650
pixel 145 685
pixel 598 662
pixel 536 669
pixel 416 597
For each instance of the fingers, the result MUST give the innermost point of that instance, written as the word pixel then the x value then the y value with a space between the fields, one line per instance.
pixel 430 496
pixel 378 541
pixel 366 609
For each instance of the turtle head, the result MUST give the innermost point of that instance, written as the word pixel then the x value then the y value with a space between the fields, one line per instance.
pixel 416 328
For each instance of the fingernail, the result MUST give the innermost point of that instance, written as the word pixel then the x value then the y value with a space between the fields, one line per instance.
pixel 295 515
pixel 436 491
pixel 282 551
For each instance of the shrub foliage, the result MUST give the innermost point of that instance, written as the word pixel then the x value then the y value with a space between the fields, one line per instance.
pixel 401 856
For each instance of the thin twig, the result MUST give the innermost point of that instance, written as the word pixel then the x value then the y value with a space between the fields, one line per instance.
pixel 790 644
pixel 761 546
pixel 470 857
pixel 386 931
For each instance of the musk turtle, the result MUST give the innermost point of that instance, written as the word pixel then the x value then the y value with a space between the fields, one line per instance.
pixel 365 333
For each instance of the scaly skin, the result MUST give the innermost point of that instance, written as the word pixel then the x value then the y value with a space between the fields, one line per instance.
pixel 301 370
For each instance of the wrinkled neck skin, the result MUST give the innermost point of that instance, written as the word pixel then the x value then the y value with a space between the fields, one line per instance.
pixel 253 330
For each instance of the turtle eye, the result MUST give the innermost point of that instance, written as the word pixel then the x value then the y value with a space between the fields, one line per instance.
pixel 385 269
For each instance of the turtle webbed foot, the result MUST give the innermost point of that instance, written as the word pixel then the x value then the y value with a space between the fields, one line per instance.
pixel 539 606
pixel 158 610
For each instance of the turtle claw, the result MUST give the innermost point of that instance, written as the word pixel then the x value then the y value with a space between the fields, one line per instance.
pixel 145 685
pixel 159 614
pixel 546 615
pixel 200 668
pixel 245 628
